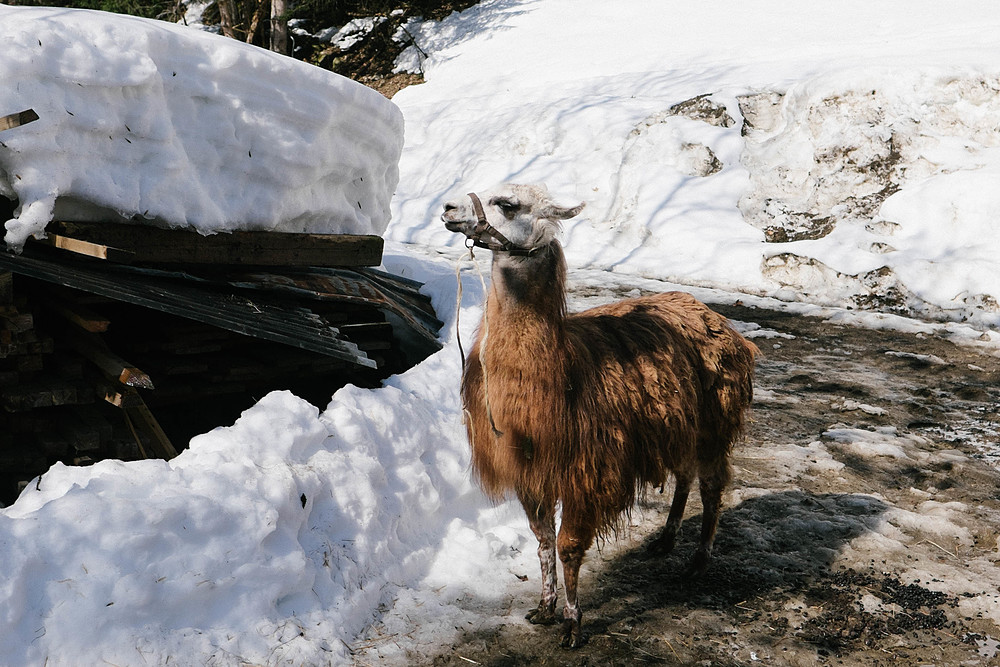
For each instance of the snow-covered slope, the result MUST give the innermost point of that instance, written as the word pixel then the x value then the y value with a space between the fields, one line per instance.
pixel 740 146
pixel 142 119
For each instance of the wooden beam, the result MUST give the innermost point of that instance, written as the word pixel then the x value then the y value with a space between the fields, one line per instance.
pixel 114 367
pixel 6 290
pixel 88 249
pixel 18 119
pixel 118 396
pixel 45 392
pixel 144 243
pixel 267 316
pixel 75 313
pixel 148 434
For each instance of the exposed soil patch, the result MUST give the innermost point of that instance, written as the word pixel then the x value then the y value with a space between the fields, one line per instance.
pixel 861 528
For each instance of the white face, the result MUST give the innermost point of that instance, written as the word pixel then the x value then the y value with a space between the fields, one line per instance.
pixel 524 214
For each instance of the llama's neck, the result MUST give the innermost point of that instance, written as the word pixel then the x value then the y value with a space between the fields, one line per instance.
pixel 521 345
pixel 526 307
pixel 530 287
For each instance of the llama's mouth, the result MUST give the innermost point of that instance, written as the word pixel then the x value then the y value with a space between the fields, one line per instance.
pixel 454 226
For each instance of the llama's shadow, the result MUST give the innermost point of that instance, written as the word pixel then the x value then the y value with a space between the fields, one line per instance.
pixel 772 546
pixel 778 542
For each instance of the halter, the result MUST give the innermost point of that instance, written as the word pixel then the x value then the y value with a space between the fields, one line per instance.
pixel 498 242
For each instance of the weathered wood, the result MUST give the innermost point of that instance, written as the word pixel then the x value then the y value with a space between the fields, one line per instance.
pixel 82 436
pixel 18 119
pixel 51 443
pixel 118 396
pixel 369 336
pixel 143 243
pixel 263 317
pixel 76 313
pixel 45 393
pixel 91 419
pixel 148 434
pixel 19 359
pixel 114 367
pixel 88 249
pixel 6 290
pixel 17 323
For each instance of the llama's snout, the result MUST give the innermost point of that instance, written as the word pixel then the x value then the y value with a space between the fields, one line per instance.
pixel 454 220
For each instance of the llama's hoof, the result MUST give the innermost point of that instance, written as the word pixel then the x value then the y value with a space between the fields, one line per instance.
pixel 662 545
pixel 572 635
pixel 698 565
pixel 543 615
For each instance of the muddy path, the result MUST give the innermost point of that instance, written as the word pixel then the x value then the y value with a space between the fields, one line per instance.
pixel 861 527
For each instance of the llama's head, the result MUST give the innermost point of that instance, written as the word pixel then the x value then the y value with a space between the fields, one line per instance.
pixel 511 218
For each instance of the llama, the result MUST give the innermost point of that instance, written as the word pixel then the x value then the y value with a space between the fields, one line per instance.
pixel 586 409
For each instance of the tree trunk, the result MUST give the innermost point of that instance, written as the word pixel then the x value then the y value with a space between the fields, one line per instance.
pixel 279 27
pixel 258 13
pixel 227 17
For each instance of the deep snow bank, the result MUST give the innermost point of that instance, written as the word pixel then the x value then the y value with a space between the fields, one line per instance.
pixel 857 169
pixel 877 188
pixel 274 541
pixel 144 120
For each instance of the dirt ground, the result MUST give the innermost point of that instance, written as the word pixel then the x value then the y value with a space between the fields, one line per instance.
pixel 861 527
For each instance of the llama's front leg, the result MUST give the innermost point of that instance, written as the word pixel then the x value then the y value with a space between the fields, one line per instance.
pixel 543 524
pixel 575 537
pixel 664 542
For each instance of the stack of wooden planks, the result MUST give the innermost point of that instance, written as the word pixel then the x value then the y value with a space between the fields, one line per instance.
pixel 123 341
pixel 48 396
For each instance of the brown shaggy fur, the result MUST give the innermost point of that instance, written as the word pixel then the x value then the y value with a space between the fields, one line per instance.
pixel 587 409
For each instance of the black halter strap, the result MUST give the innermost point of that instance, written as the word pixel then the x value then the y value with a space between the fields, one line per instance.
pixel 498 242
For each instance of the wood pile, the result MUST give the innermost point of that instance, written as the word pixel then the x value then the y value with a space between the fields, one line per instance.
pixel 49 396
pixel 121 341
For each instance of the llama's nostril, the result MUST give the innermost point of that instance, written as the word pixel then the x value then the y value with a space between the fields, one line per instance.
pixel 450 206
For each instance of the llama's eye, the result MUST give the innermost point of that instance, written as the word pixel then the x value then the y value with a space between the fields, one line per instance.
pixel 507 206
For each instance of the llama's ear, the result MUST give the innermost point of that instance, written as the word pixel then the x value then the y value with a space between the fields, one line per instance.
pixel 553 212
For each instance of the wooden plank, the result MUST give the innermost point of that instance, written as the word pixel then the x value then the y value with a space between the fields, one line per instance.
pixel 118 396
pixel 144 243
pixel 87 248
pixel 265 317
pixel 45 392
pixel 76 313
pixel 6 290
pixel 18 119
pixel 148 434
pixel 82 435
pixel 17 323
pixel 52 444
pixel 114 367
pixel 93 420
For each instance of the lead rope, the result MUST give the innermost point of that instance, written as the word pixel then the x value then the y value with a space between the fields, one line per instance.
pixel 486 330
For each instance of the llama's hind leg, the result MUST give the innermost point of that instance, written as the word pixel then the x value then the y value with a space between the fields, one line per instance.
pixel 664 542
pixel 712 481
pixel 575 536
pixel 543 524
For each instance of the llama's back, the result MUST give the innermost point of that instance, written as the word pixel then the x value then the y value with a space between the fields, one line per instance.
pixel 693 370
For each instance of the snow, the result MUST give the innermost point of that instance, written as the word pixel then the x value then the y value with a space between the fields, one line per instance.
pixel 599 128
pixel 134 112
pixel 296 535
